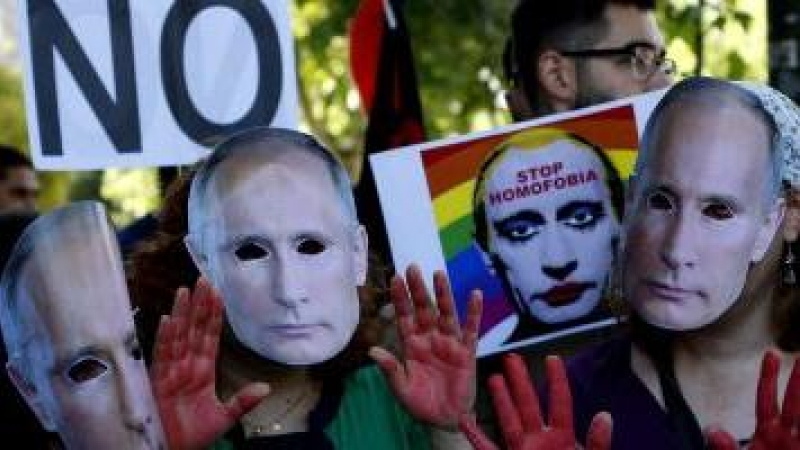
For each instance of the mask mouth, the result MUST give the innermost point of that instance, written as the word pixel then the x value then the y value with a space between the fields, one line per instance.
pixel 564 294
pixel 296 330
pixel 670 291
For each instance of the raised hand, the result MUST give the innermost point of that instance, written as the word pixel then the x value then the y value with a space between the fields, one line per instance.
pixel 184 372
pixel 520 417
pixel 775 429
pixel 436 379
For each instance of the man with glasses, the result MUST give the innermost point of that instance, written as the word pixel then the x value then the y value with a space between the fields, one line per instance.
pixel 569 54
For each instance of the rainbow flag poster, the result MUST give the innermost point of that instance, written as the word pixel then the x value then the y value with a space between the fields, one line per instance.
pixel 529 214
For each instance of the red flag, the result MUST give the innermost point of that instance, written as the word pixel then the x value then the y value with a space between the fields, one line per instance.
pixel 382 66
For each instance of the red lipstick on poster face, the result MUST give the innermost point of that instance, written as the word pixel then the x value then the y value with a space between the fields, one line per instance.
pixel 564 294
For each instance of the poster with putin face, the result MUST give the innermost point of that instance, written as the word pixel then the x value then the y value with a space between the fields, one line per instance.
pixel 529 214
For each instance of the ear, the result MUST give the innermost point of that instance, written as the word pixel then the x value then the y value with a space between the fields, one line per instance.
pixel 361 255
pixel 768 230
pixel 557 80
pixel 32 397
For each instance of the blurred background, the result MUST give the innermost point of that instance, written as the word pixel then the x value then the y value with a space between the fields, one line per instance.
pixel 457 45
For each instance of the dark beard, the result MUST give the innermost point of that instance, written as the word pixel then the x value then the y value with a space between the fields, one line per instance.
pixel 587 93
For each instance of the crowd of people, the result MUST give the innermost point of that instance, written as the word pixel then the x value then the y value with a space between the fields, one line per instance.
pixel 249 318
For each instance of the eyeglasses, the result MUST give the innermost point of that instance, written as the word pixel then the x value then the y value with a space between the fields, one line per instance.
pixel 645 58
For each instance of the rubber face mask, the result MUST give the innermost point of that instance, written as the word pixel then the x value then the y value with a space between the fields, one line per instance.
pixel 552 228
pixel 285 255
pixel 74 330
pixel 700 216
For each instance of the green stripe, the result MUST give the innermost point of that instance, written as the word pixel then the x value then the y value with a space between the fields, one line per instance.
pixel 456 237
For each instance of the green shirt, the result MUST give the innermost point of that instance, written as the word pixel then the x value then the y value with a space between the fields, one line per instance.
pixel 369 418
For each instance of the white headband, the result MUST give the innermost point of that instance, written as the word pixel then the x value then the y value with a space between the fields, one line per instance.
pixel 786 116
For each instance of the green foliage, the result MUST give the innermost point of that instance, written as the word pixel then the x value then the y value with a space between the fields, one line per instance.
pixel 722 30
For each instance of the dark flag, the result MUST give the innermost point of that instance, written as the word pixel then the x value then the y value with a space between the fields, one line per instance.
pixel 382 65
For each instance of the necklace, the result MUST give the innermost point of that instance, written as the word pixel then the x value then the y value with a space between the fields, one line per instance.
pixel 257 424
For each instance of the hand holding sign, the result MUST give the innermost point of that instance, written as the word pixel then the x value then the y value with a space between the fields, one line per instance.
pixel 184 372
pixel 775 429
pixel 436 379
pixel 521 419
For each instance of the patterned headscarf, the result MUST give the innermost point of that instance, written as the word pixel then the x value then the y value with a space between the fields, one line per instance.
pixel 786 115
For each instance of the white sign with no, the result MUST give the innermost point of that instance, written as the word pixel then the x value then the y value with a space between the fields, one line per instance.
pixel 121 83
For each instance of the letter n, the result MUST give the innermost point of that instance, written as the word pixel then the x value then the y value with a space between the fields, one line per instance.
pixel 50 32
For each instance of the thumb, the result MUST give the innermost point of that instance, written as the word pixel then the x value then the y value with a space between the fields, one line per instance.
pixel 719 439
pixel 391 368
pixel 599 435
pixel 245 400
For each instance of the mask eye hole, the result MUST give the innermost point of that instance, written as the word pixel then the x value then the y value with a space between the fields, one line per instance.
pixel 659 201
pixel 311 246
pixel 86 369
pixel 718 211
pixel 250 251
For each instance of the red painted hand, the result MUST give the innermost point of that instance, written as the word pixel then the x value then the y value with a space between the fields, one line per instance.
pixel 775 429
pixel 521 419
pixel 184 372
pixel 436 379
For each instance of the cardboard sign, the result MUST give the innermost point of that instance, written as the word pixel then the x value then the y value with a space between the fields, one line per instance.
pixel 122 83
pixel 428 193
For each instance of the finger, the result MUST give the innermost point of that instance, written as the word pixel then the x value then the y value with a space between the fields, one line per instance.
pixel 198 311
pixel 180 307
pixel 161 350
pixel 791 398
pixel 522 392
pixel 599 434
pixel 423 315
pixel 474 434
pixel 179 340
pixel 392 369
pixel 214 327
pixel 719 439
pixel 245 400
pixel 448 318
pixel 404 315
pixel 180 318
pixel 767 397
pixel 560 396
pixel 507 415
pixel 473 321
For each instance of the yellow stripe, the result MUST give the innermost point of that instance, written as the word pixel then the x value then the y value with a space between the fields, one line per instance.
pixel 453 204
pixel 623 159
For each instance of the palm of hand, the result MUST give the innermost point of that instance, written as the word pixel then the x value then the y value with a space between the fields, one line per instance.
pixel 440 373
pixel 436 380
pixel 184 373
